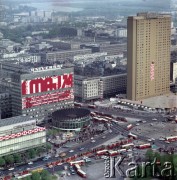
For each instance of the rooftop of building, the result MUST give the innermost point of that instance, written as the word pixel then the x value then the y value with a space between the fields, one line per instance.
pixel 27 68
pixel 70 114
pixel 15 120
pixel 150 15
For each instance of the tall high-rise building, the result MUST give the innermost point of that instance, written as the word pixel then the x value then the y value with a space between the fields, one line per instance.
pixel 148 62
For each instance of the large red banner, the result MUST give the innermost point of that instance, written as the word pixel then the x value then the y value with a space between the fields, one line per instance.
pixel 33 101
pixel 47 84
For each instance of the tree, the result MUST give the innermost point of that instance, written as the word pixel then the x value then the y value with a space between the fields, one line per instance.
pixel 48 146
pixel 35 176
pixel 32 153
pixel 2 161
pixel 17 158
pixel 45 175
pixel 39 150
pixel 28 178
pixel 9 159
pixel 150 155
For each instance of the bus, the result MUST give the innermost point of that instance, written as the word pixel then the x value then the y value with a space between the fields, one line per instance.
pixel 128 146
pixel 113 153
pixel 102 152
pixel 92 106
pixel 81 162
pixel 130 135
pixel 23 176
pixel 130 126
pixel 99 119
pixel 93 114
pixel 81 173
pixel 76 104
pixel 108 118
pixel 171 138
pixel 144 146
pixel 77 167
pixel 122 151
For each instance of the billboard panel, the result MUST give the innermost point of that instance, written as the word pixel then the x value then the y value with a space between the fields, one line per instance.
pixel 46 84
pixel 29 102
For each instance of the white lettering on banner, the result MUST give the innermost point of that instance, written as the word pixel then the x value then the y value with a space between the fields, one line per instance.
pixel 46 68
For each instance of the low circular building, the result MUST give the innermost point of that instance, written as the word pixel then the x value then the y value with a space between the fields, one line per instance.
pixel 71 119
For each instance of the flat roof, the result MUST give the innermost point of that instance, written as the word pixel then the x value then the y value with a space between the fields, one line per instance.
pixel 14 120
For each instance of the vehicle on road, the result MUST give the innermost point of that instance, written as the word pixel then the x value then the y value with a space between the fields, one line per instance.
pixel 30 163
pixel 154 119
pixel 71 151
pixel 73 172
pixel 46 158
pixel 162 139
pixel 93 141
pixel 82 148
pixel 103 137
pixel 62 154
pixel 130 135
pixel 81 173
pixel 56 155
pixel 11 169
pixel 144 146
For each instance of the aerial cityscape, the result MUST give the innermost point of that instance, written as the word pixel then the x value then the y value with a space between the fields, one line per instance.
pixel 88 89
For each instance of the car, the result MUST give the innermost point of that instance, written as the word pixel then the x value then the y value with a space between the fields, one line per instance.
pixel 71 151
pixel 151 124
pixel 93 141
pixel 91 138
pixel 144 121
pixel 152 139
pixel 149 140
pixel 46 158
pixel 154 119
pixel 103 137
pixel 137 124
pixel 73 172
pixel 30 163
pixel 11 169
pixel 82 148
pixel 56 155
pixel 161 139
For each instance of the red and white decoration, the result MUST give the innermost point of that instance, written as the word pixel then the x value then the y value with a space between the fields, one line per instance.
pixel 44 84
pixel 33 101
pixel 152 71
pixel 24 133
